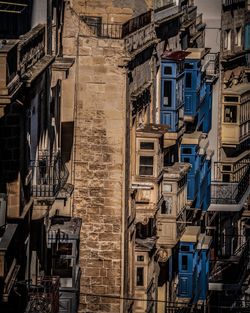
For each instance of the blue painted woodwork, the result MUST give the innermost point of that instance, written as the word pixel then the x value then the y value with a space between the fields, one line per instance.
pixel 193 269
pixel 193 90
pixel 247 37
pixel 172 93
pixel 199 176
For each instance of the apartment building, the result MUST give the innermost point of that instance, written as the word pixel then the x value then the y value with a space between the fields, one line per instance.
pixel 33 182
pixel 228 212
pixel 130 186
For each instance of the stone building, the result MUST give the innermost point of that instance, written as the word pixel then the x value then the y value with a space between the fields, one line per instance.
pixel 32 175
pixel 228 211
pixel 119 150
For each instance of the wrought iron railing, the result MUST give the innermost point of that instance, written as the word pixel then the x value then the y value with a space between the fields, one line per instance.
pixel 236 267
pixel 162 4
pixel 116 31
pixel 231 192
pixel 136 23
pixel 49 176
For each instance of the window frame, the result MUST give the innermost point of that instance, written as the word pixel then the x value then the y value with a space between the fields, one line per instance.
pixel 234 119
pixel 170 95
pixel 147 153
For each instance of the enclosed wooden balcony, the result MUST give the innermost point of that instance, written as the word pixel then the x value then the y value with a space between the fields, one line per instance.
pixel 235 115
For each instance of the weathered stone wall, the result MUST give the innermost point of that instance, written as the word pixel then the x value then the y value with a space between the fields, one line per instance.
pixel 112 11
pixel 99 125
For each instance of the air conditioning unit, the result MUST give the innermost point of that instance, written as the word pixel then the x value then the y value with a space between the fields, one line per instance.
pixel 3 207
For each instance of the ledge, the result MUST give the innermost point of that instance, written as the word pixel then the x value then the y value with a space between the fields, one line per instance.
pixel 37 69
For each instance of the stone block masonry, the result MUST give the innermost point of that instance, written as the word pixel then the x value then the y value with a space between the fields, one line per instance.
pixel 99 171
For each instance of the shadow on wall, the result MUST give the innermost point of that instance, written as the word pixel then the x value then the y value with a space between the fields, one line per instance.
pixel 11 140
pixel 67 129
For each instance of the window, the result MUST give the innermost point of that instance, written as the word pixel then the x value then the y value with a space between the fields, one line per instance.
pixel 188 80
pixel 227 39
pixel 231 99
pixel 146 166
pixel 167 187
pixel 140 276
pixel 186 150
pixel 226 178
pixel 164 208
pixel 147 145
pixel 167 93
pixel 185 248
pixel 238 36
pixel 140 258
pixel 247 37
pixel 189 66
pixel 167 70
pixel 226 168
pixel 184 263
pixel 230 114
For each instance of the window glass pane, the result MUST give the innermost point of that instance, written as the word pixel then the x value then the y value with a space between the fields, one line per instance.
pixel 139 276
pixel 186 150
pixel 188 80
pixel 184 262
pixel 230 114
pixel 167 93
pixel 140 258
pixel 164 208
pixel 146 165
pixel 185 248
pixel 63 248
pixel 147 145
pixel 62 267
pixel 226 178
pixel 189 65
pixel 167 70
pixel 231 99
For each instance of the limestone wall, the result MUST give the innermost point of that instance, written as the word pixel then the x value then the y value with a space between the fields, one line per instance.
pixel 98 169
pixel 112 11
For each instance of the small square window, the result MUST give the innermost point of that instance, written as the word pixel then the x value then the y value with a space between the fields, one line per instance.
pixel 147 145
pixel 167 70
pixel 140 258
pixel 186 150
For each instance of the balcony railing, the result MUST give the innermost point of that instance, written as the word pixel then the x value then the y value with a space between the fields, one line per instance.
pixel 31 48
pixel 49 176
pixel 232 2
pixel 231 192
pixel 116 31
pixel 230 271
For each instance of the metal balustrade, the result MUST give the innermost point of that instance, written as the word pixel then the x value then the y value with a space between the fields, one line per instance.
pixel 231 192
